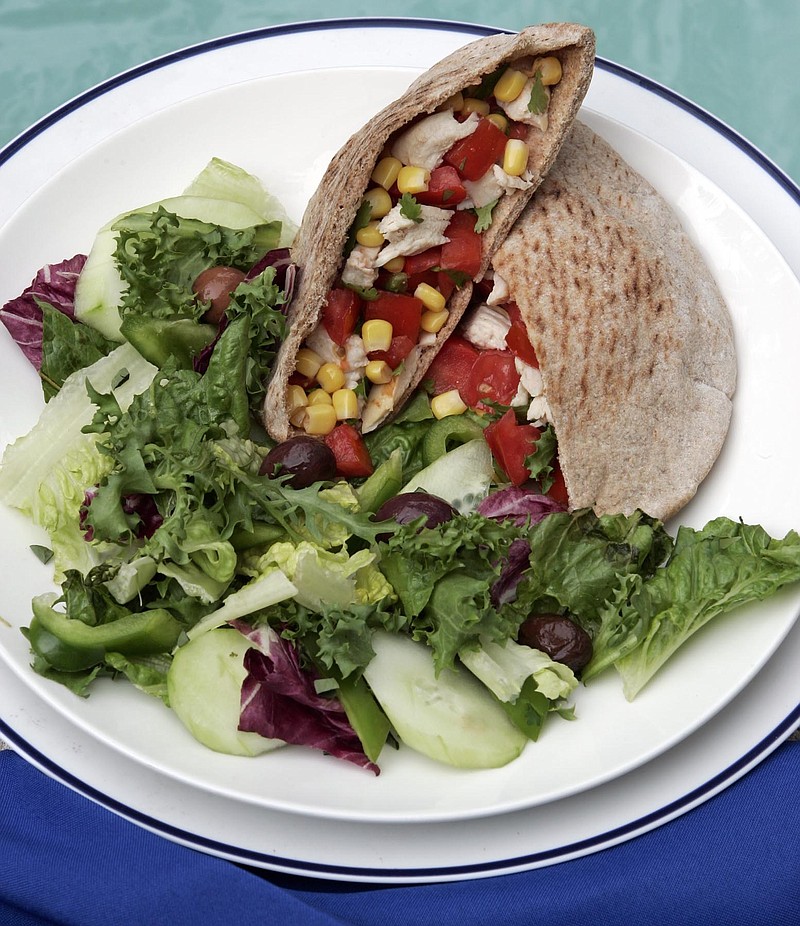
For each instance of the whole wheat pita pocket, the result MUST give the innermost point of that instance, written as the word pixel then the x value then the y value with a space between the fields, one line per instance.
pixel 319 246
pixel 634 340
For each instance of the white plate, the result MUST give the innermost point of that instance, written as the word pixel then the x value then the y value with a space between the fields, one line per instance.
pixel 240 98
pixel 739 737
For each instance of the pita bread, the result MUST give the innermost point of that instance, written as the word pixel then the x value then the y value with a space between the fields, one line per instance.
pixel 321 239
pixel 634 340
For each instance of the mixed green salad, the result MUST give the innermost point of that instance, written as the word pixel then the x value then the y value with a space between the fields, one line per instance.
pixel 429 601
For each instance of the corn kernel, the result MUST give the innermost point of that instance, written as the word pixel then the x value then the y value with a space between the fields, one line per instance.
pixel 380 202
pixel 395 265
pixel 330 377
pixel 345 404
pixel 386 171
pixel 456 102
pixel 319 420
pixel 319 397
pixel 308 362
pixel 499 120
pixel 370 236
pixel 295 398
pixel 550 69
pixel 430 297
pixel 298 417
pixel 473 105
pixel 376 334
pixel 296 402
pixel 378 371
pixel 515 157
pixel 447 403
pixel 413 179
pixel 433 322
pixel 511 84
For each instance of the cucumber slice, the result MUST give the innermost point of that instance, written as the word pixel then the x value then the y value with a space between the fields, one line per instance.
pixel 204 686
pixel 461 477
pixel 452 718
pixel 99 289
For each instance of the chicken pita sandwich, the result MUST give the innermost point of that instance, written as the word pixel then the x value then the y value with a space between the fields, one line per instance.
pixel 407 217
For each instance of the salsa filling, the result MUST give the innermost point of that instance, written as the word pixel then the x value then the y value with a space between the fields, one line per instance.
pixel 417 239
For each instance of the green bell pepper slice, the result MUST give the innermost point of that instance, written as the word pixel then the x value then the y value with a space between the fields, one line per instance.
pixel 135 634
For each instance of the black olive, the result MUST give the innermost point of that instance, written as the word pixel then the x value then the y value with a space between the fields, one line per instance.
pixel 558 636
pixel 305 459
pixel 409 506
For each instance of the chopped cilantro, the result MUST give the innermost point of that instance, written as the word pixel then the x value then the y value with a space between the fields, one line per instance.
pixel 360 221
pixel 410 208
pixel 484 214
pixel 539 97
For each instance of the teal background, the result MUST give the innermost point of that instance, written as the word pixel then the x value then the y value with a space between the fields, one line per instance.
pixel 739 59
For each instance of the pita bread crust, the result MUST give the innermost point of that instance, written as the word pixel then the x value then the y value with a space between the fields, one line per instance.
pixel 320 241
pixel 634 339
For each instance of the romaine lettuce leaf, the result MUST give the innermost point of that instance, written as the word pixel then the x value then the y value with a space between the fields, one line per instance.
pixel 528 683
pixel 710 572
pixel 222 180
pixel 47 472
pixel 327 578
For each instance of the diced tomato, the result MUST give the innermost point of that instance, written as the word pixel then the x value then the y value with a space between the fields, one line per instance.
pixel 399 349
pixel 558 490
pixel 419 263
pixel 340 314
pixel 493 378
pixel 445 188
pixel 517 337
pixel 445 284
pixel 352 456
pixel 511 444
pixel 474 155
pixel 451 367
pixel 518 130
pixel 431 277
pixel 401 310
pixel 463 250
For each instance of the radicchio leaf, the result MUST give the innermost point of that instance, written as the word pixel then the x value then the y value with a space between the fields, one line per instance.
pixel 504 589
pixel 279 701
pixel 53 284
pixel 285 270
pixel 521 505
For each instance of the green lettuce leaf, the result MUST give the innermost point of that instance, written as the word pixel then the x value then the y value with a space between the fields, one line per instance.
pixel 710 572
pixel 47 472
pixel 220 179
pixel 578 561
pixel 159 255
pixel 66 348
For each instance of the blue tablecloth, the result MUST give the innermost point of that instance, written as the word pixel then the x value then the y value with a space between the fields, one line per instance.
pixel 67 861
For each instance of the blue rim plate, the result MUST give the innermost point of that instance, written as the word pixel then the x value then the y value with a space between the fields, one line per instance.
pixel 628 107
